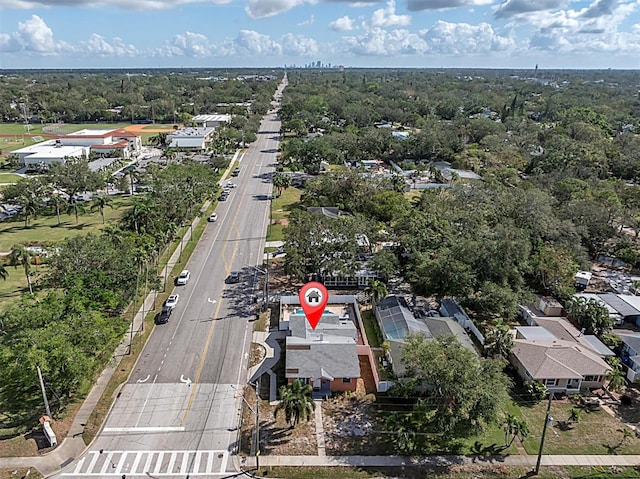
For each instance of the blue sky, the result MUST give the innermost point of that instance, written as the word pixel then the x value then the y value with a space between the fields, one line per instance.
pixel 265 33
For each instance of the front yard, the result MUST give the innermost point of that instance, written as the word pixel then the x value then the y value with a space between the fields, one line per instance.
pixel 596 432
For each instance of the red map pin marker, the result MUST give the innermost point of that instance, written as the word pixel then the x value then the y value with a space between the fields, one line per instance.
pixel 313 298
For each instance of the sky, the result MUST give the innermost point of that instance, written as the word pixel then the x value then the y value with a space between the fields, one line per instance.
pixel 566 34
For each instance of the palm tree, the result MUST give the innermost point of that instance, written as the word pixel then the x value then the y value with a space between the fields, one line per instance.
pixel 376 291
pixel 21 255
pixel 498 341
pixel 76 208
pixel 616 375
pixel 59 203
pixel 100 202
pixel 296 402
pixel 281 182
pixel 514 427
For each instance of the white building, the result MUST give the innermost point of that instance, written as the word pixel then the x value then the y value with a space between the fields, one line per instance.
pixel 80 144
pixel 49 152
pixel 211 120
pixel 196 138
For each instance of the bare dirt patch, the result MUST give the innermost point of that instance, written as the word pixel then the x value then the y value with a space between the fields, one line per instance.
pixel 276 437
pixel 149 128
pixel 257 354
pixel 350 424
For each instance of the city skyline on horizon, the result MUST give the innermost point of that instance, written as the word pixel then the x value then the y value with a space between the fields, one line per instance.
pixel 433 34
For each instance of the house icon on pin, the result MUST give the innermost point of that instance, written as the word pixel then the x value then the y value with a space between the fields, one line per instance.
pixel 313 296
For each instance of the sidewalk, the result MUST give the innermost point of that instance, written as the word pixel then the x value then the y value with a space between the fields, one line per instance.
pixel 73 445
pixel 400 461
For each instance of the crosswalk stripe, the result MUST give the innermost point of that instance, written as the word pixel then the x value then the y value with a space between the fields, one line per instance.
pixel 164 464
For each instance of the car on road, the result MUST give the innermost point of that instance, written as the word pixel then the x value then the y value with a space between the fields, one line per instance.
pixel 235 172
pixel 172 301
pixel 234 277
pixel 183 278
pixel 229 185
pixel 163 317
pixel 213 218
pixel 223 196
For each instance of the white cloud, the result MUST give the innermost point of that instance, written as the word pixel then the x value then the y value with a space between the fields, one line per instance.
pixel 342 24
pixel 33 36
pixel 298 45
pixel 269 8
pixel 249 42
pixel 97 45
pixel 380 42
pixel 125 4
pixel 463 38
pixel 36 36
pixel 187 44
pixel 387 17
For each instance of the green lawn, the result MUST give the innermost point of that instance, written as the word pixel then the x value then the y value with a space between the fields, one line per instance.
pixel 371 328
pixel 280 209
pixel 8 178
pixel 46 228
pixel 16 284
pixel 14 143
pixel 283 204
pixel 596 432
pixel 36 129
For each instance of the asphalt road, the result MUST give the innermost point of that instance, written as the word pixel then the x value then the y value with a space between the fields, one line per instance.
pixel 178 414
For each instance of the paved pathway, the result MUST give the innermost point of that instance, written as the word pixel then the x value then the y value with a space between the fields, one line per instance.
pixel 320 429
pixel 399 461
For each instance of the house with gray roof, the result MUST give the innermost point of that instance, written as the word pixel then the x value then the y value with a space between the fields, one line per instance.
pixel 562 366
pixel 325 357
pixel 396 322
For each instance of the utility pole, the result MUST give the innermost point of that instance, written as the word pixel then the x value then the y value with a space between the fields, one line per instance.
pixel 44 392
pixel 547 419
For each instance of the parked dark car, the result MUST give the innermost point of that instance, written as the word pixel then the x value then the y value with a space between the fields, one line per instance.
pixel 163 317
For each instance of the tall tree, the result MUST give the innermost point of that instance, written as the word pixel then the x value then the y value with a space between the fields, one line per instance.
pixel 462 389
pixel 296 402
pixel 281 182
pixel 20 255
pixel 591 315
pixel 100 202
pixel 498 340
pixel 376 291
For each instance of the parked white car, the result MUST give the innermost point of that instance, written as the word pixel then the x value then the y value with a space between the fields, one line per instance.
pixel 172 301
pixel 183 278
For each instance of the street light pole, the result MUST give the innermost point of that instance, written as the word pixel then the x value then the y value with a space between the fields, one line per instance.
pixel 547 419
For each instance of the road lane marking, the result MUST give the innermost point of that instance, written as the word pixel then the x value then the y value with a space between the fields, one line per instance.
pixel 146 399
pixel 144 380
pixel 187 381
pixel 203 359
pixel 145 429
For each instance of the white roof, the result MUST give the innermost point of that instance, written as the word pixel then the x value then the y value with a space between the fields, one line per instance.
pixel 90 133
pixel 35 147
pixel 216 117
pixel 191 132
pixel 584 275
pixel 56 152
